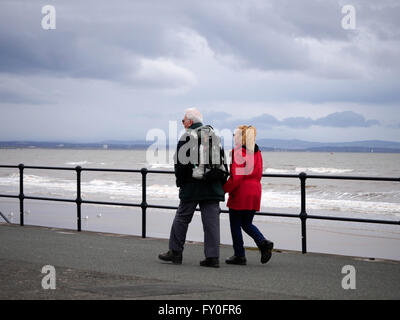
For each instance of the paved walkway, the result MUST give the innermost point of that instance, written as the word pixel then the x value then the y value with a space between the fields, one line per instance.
pixel 93 265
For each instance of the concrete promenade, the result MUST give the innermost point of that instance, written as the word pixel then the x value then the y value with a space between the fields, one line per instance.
pixel 92 265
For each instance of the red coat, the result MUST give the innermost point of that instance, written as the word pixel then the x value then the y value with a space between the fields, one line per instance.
pixel 244 183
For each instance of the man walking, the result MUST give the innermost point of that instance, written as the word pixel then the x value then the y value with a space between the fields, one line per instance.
pixel 193 192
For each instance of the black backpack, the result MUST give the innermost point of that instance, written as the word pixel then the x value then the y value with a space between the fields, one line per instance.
pixel 211 166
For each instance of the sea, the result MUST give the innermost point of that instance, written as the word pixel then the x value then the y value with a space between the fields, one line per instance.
pixel 344 198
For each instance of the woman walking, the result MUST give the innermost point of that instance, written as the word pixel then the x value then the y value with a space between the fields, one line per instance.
pixel 244 188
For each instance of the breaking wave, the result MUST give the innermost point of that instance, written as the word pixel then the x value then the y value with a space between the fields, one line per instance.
pixel 307 170
pixel 374 202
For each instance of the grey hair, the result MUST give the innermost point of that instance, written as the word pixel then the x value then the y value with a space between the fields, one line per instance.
pixel 194 115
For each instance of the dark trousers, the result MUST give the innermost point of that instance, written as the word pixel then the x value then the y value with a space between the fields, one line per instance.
pixel 243 219
pixel 210 212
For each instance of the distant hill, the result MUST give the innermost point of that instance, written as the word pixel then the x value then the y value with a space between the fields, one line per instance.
pixel 265 144
pixel 75 145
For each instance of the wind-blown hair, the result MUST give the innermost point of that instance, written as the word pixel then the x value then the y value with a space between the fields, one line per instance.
pixel 248 134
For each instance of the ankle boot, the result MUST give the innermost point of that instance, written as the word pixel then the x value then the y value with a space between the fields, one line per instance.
pixel 236 260
pixel 210 262
pixel 174 256
pixel 266 250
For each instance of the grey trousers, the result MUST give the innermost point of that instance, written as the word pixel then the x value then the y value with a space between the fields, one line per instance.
pixel 210 212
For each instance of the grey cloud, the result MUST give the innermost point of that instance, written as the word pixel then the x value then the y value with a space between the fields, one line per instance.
pixel 90 43
pixel 13 91
pixel 11 97
pixel 240 29
pixel 256 52
pixel 298 122
pixel 380 17
pixel 322 19
pixel 346 119
pixel 60 54
pixel 304 36
pixel 394 126
pixel 216 116
pixel 264 121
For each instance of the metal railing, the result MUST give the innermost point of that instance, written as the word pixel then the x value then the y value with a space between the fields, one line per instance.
pixel 303 216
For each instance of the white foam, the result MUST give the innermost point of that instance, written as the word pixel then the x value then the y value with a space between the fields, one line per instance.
pixel 10 179
pixel 362 202
pixel 297 170
pixel 29 179
pixel 271 199
pixel 277 171
pixel 78 163
pixel 323 170
pixel 161 166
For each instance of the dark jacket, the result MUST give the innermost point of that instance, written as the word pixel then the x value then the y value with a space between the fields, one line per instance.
pixel 244 183
pixel 193 189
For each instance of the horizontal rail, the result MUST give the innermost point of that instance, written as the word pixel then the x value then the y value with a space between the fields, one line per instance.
pixel 260 213
pixel 8 196
pixel 311 176
pixel 49 199
pixel 155 206
pixel 49 168
pixel 111 170
pixel 128 170
pixel 269 175
pixel 107 203
pixel 303 216
pixel 161 171
pixel 314 176
pixel 353 219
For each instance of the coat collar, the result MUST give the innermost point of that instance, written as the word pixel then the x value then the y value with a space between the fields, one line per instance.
pixel 195 125
pixel 256 148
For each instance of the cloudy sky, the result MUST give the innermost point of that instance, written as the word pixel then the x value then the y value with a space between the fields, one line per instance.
pixel 116 69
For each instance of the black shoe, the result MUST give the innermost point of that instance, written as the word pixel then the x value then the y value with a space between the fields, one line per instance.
pixel 210 262
pixel 173 256
pixel 236 260
pixel 266 250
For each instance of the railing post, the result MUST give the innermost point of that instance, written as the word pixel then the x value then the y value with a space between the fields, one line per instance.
pixel 21 194
pixel 303 212
pixel 78 196
pixel 144 203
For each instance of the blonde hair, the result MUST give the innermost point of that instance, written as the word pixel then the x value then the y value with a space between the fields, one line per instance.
pixel 248 134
